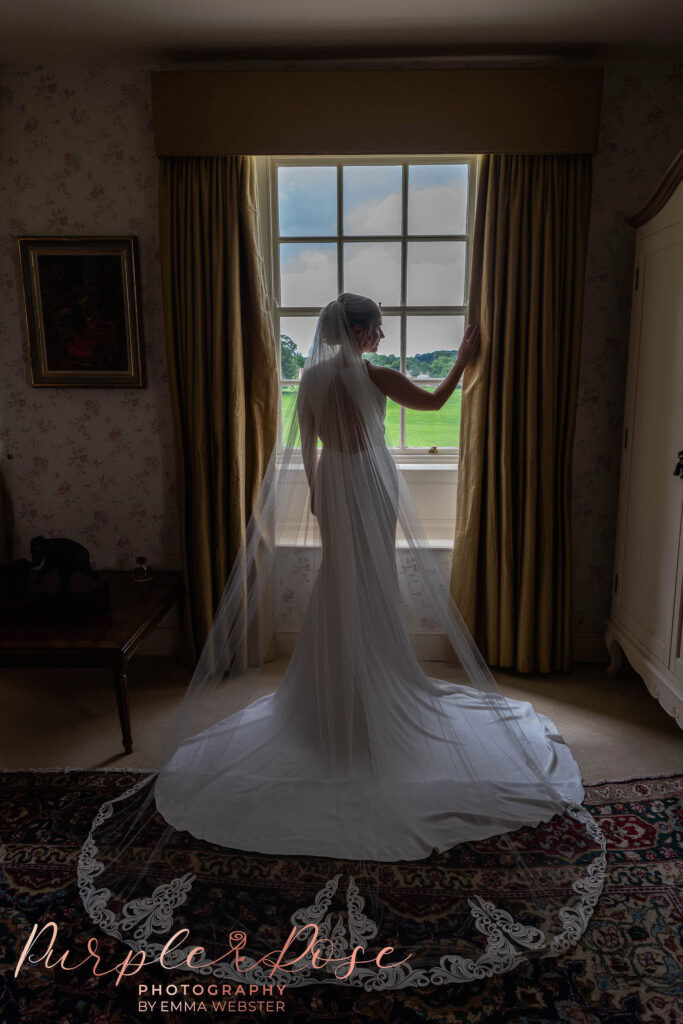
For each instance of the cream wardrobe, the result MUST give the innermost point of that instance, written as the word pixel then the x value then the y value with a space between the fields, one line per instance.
pixel 647 607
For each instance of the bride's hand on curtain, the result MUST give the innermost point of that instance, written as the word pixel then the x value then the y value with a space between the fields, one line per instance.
pixel 470 345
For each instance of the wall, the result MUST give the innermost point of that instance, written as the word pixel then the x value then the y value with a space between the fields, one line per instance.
pixel 94 464
pixel 98 465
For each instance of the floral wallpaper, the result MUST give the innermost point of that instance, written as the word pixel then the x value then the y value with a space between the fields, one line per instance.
pixel 296 574
pixel 77 157
pixel 94 464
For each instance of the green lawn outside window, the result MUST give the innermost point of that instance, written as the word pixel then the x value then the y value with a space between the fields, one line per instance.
pixel 423 429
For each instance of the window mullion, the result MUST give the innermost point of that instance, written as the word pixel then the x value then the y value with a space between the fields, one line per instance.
pixel 471 192
pixel 340 229
pixel 273 213
pixel 404 293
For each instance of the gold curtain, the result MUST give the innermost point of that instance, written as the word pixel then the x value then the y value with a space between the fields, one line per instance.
pixel 222 362
pixel 512 560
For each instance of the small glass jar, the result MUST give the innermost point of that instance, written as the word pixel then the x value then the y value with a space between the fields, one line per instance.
pixel 142 572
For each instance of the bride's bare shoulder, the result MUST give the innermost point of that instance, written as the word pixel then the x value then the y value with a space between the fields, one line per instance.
pixel 383 376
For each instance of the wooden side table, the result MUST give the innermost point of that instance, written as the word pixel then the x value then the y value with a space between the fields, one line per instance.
pixel 108 639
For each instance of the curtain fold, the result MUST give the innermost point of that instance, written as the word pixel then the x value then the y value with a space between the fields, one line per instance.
pixel 222 365
pixel 511 573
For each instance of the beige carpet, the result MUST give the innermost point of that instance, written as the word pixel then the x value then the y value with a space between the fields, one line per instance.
pixel 67 718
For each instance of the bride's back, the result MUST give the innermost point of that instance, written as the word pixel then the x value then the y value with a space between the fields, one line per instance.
pixel 339 401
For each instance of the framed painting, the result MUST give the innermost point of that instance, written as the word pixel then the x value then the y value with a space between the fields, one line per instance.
pixel 82 317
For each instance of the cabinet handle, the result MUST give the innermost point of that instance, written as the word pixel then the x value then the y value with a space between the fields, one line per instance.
pixel 678 471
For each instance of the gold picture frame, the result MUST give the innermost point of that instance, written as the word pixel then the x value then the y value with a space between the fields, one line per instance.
pixel 82 318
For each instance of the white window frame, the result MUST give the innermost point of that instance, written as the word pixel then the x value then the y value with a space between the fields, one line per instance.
pixel 431 477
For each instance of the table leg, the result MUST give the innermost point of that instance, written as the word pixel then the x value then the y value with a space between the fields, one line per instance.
pixel 121 685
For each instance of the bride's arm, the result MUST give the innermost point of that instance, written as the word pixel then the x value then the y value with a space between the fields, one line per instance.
pixel 397 387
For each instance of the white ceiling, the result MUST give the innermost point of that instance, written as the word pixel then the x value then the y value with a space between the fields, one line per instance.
pixel 60 30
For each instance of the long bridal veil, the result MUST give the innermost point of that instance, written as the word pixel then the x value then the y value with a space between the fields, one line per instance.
pixel 365 803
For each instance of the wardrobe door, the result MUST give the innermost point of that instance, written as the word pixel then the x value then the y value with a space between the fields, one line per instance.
pixel 646 591
pixel 677 654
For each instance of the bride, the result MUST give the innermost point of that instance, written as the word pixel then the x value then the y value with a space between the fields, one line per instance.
pixel 360 755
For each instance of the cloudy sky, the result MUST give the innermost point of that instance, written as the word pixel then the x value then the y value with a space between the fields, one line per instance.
pixel 437 205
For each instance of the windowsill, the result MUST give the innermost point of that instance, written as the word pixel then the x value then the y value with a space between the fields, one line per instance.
pixel 290 542
pixel 420 462
pixel 407 466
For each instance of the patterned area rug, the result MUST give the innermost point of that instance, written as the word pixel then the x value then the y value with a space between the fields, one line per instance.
pixel 627 969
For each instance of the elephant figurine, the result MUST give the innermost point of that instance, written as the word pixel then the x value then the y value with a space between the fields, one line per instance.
pixel 64 555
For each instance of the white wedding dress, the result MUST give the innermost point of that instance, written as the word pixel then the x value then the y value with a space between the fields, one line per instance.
pixel 360 755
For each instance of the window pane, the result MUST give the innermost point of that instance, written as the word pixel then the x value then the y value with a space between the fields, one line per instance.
pixel 372 200
pixel 374 269
pixel 296 334
pixel 308 273
pixel 289 393
pixel 307 200
pixel 437 199
pixel 296 337
pixel 436 273
pixel 442 428
pixel 392 426
pixel 432 344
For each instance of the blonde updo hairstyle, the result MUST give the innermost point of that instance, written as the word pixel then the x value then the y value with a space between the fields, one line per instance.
pixel 351 310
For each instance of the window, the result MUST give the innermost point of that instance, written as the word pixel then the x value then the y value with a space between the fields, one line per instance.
pixel 397 229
